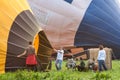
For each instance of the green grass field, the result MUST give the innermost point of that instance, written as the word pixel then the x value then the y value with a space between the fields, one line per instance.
pixel 64 74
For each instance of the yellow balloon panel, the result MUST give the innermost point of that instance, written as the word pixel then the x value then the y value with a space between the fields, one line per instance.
pixel 9 10
pixel 2 46
pixel 3 33
pixel 2 61
pixel 36 43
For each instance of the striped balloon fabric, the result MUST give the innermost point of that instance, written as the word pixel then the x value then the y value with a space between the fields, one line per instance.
pixel 85 23
pixel 18 26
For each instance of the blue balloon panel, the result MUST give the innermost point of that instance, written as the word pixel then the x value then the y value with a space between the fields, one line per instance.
pixel 69 1
pixel 100 25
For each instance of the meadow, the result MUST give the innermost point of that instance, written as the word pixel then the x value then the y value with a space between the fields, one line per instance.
pixel 64 74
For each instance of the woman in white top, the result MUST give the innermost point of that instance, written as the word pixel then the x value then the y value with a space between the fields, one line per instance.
pixel 101 58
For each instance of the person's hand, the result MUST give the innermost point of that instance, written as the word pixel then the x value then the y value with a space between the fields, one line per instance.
pixel 18 55
pixel 54 49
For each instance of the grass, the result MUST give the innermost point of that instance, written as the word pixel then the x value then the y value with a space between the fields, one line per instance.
pixel 64 74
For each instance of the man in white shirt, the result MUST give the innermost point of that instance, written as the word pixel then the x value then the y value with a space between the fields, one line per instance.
pixel 59 58
pixel 101 58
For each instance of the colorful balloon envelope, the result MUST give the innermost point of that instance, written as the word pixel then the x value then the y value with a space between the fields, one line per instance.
pixel 85 23
pixel 17 27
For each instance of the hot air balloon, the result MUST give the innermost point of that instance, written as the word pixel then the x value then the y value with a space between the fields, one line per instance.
pixel 85 23
pixel 55 20
pixel 17 27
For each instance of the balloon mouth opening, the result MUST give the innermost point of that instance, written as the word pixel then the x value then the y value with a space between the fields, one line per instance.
pixel 41 42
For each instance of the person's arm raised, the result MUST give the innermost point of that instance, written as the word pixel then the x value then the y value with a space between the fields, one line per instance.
pixel 22 54
pixel 55 50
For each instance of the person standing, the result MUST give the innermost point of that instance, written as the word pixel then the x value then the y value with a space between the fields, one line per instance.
pixel 101 58
pixel 59 58
pixel 31 61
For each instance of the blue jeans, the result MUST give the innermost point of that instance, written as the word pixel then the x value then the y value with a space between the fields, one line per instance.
pixel 58 64
pixel 102 63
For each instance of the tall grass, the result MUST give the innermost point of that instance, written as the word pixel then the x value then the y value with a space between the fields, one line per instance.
pixel 64 74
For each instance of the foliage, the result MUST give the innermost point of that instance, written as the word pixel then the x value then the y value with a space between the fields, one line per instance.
pixel 64 74
pixel 101 76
